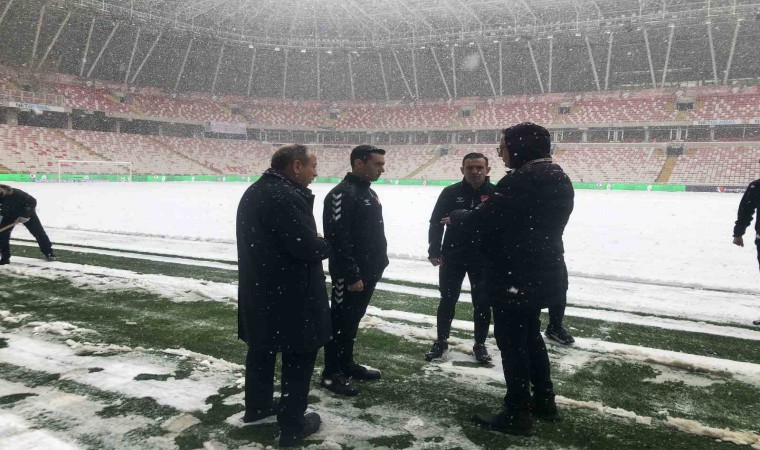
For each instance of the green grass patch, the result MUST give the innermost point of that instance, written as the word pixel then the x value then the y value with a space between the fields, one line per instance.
pixel 442 399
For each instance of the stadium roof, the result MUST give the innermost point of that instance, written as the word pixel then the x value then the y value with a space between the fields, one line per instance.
pixel 328 24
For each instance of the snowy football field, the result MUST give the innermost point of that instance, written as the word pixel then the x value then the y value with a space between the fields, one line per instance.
pixel 137 320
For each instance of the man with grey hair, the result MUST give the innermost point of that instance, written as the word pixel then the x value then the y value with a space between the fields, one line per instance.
pixel 282 299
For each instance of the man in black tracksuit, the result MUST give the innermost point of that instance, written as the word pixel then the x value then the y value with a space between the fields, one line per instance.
pixel 749 204
pixel 16 206
pixel 353 224
pixel 459 255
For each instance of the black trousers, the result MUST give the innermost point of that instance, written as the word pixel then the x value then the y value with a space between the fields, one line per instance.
pixel 557 314
pixel 347 309
pixel 35 229
pixel 450 278
pixel 523 354
pixel 757 244
pixel 297 369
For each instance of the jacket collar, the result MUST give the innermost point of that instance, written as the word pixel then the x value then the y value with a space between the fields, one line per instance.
pixel 351 178
pixel 300 189
pixel 467 188
pixel 535 161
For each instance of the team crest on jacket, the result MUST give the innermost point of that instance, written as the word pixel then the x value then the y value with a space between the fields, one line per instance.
pixel 367 202
pixel 460 199
pixel 483 198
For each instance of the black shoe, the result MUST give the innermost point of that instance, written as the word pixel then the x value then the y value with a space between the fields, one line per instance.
pixel 290 438
pixel 481 353
pixel 340 384
pixel 756 322
pixel 545 408
pixel 516 423
pixel 50 257
pixel 4 262
pixel 436 351
pixel 258 414
pixel 360 372
pixel 560 335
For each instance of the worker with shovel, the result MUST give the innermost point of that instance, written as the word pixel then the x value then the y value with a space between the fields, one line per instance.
pixel 16 208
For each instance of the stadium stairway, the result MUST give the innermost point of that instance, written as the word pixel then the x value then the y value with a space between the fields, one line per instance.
pixel 183 156
pixel 92 154
pixel 667 169
pixel 419 170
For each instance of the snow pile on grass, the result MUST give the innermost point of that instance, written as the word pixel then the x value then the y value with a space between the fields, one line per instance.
pixel 9 317
pixel 724 434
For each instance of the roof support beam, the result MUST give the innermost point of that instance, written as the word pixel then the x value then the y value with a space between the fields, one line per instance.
pixel 55 39
pixel 488 72
pixel 5 10
pixel 440 71
pixel 538 73
pixel 382 73
pixel 37 35
pixel 454 69
pixel 132 56
pixel 103 50
pixel 551 62
pixel 406 82
pixel 285 74
pixel 319 75
pixel 712 52
pixel 731 52
pixel 87 48
pixel 147 57
pixel 414 74
pixel 667 55
pixel 216 71
pixel 649 58
pixel 593 64
pixel 184 61
pixel 351 76
pixel 609 63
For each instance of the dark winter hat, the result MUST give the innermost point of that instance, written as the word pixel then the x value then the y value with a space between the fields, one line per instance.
pixel 525 142
pixel 364 153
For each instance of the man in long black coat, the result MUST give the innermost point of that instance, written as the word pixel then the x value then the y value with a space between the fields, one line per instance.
pixel 282 300
pixel 522 226
pixel 16 206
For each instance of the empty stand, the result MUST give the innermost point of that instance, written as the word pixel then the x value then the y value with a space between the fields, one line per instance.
pixel 92 99
pixel 606 164
pixel 146 155
pixel 38 150
pixel 725 165
pixel 223 157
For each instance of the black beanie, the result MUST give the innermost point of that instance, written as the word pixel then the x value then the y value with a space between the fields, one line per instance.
pixel 525 142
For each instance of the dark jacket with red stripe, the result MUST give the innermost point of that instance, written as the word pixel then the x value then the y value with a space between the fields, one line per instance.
pixel 460 246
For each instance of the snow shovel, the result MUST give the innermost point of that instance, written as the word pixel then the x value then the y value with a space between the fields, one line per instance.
pixel 9 226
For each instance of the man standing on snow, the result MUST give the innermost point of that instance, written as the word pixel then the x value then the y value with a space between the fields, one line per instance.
pixel 460 254
pixel 282 301
pixel 353 224
pixel 749 204
pixel 523 223
pixel 17 207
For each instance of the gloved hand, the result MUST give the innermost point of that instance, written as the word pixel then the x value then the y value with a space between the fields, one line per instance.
pixel 22 220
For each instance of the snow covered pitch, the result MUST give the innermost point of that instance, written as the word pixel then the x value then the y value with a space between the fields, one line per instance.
pixel 130 339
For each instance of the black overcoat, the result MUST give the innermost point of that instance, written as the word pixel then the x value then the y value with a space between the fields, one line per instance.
pixel 282 299
pixel 522 226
